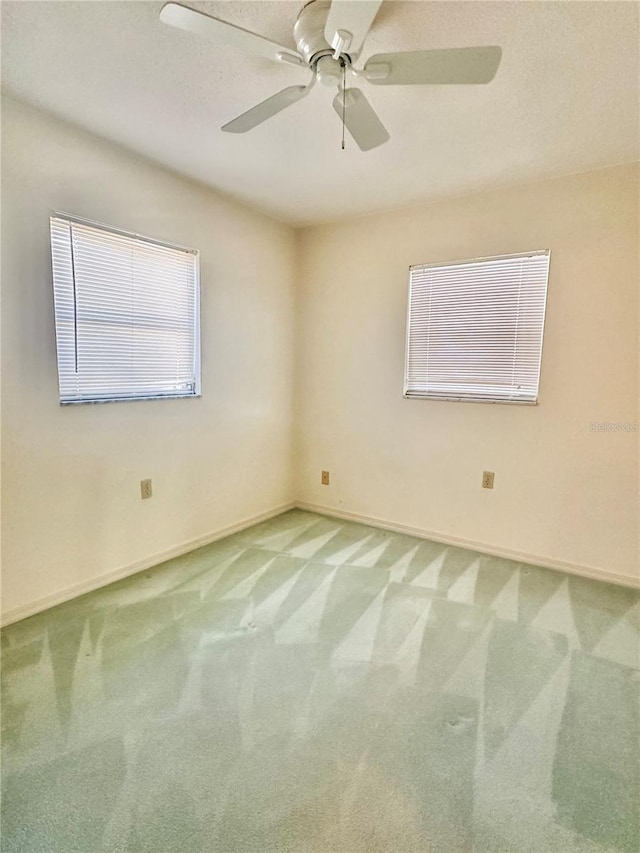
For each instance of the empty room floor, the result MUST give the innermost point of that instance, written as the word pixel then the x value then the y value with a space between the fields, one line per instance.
pixel 313 685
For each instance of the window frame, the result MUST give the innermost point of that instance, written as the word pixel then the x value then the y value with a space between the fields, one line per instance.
pixel 458 399
pixel 135 235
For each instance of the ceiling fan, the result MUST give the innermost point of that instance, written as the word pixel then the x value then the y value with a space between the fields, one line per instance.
pixel 329 35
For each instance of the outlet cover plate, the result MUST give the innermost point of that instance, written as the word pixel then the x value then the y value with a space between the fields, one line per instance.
pixel 487 479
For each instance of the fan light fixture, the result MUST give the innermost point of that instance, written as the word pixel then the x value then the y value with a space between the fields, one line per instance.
pixel 329 71
pixel 329 35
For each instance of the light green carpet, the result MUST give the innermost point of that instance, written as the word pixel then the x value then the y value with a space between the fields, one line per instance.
pixel 313 685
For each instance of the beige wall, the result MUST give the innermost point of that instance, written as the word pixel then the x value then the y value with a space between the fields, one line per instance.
pixel 72 515
pixel 72 512
pixel 563 493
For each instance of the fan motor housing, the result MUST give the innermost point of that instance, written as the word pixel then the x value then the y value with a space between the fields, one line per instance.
pixel 308 32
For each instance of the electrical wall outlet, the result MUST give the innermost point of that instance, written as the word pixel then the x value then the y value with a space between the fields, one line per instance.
pixel 145 489
pixel 487 479
pixel 325 478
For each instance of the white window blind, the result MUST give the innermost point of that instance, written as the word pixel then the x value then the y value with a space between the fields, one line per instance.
pixel 474 329
pixel 126 310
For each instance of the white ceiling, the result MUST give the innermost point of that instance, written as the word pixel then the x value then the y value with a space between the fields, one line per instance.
pixel 565 99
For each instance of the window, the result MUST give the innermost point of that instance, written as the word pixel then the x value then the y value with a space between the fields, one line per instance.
pixel 474 329
pixel 126 309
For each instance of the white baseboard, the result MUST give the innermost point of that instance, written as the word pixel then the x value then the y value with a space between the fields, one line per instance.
pixel 92 584
pixel 492 550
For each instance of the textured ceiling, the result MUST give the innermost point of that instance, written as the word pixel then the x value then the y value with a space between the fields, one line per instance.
pixel 565 99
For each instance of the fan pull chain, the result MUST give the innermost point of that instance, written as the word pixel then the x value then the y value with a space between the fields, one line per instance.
pixel 344 97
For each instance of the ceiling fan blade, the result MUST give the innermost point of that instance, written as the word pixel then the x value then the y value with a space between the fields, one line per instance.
pixel 261 112
pixel 222 33
pixel 350 21
pixel 360 119
pixel 428 67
